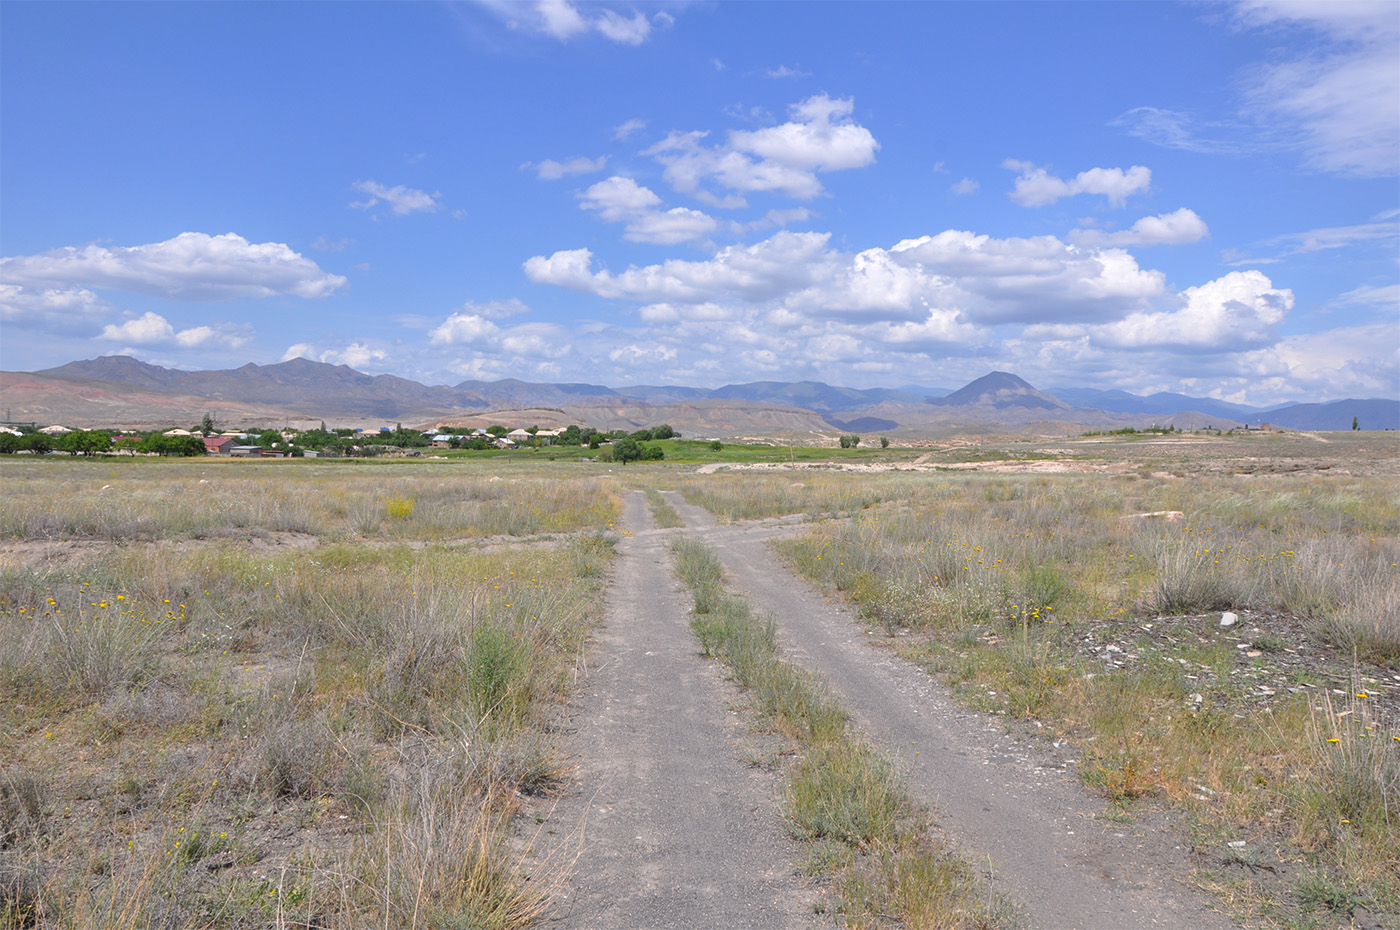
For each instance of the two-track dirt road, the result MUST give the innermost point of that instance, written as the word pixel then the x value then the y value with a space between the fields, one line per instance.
pixel 677 831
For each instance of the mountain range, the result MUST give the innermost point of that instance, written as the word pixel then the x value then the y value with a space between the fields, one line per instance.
pixel 122 391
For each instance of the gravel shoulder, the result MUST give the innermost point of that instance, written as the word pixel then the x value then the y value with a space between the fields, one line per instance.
pixel 670 826
pixel 1007 804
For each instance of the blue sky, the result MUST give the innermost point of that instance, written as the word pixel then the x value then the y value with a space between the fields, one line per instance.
pixel 1150 196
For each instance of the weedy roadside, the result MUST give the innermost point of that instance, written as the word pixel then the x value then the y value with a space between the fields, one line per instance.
pixel 1193 641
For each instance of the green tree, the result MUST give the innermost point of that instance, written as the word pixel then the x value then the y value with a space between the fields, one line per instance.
pixel 651 452
pixel 316 439
pixel 497 430
pixel 86 442
pixel 38 443
pixel 716 445
pixel 172 445
pixel 664 431
pixel 1355 423
pixel 626 450
pixel 206 425
pixel 405 438
pixel 884 442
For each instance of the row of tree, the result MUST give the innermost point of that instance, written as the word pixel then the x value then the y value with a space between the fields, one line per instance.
pixel 344 441
pixel 99 442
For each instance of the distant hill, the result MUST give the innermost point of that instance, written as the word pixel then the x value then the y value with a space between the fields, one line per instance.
pixel 1370 414
pixel 121 390
pixel 812 395
pixel 1000 390
pixel 29 397
pixel 310 388
pixel 1163 403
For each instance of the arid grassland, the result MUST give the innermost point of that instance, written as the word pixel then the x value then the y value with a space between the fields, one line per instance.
pixel 234 695
pixel 1091 609
pixel 319 693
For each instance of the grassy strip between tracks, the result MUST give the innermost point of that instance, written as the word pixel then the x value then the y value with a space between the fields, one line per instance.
pixel 844 798
pixel 667 517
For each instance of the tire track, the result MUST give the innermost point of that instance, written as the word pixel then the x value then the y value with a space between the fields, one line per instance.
pixel 1048 847
pixel 675 831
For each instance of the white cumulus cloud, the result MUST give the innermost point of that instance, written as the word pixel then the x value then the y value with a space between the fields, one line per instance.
pixel 628 30
pixel 623 200
pixel 780 159
pixel 563 20
pixel 1349 361
pixel 191 266
pixel 1180 227
pixel 1036 187
pixel 987 280
pixel 355 355
pixel 551 170
pixel 402 200
pixel 145 329
pixel 623 130
pixel 463 328
pixel 154 329
pixel 1237 311
pixel 69 308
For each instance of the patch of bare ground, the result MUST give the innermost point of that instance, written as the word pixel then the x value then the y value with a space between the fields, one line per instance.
pixel 1273 659
pixel 1273 654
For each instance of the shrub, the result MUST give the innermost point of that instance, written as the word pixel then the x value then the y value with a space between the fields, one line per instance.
pixel 498 679
pixel 399 507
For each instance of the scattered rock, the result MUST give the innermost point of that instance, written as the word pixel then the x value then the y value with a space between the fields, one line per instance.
pixel 1228 619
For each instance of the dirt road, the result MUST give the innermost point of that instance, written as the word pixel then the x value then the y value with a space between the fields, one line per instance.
pixel 676 830
pixel 1003 802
